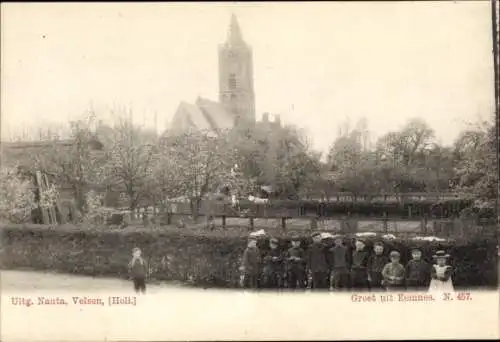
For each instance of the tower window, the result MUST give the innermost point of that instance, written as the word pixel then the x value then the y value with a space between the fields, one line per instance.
pixel 232 81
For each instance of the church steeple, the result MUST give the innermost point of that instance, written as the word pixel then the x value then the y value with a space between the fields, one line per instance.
pixel 236 75
pixel 234 34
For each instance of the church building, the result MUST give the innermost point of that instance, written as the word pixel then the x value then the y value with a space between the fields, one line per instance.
pixel 236 105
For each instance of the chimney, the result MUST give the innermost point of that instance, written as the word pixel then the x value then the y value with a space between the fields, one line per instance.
pixel 277 120
pixel 265 117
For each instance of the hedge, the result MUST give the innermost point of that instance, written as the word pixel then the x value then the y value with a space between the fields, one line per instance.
pixel 198 257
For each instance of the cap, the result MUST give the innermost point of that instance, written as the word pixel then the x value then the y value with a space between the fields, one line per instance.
pixel 394 254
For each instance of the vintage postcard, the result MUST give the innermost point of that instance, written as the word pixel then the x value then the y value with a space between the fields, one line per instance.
pixel 249 171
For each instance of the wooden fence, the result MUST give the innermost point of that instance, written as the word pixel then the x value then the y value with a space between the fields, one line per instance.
pixel 223 215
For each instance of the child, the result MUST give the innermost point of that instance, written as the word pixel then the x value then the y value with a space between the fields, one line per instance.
pixel 138 270
pixel 250 265
pixel 376 264
pixel 417 272
pixel 273 268
pixel 295 265
pixel 359 266
pixel 339 278
pixel 317 264
pixel 393 273
pixel 441 280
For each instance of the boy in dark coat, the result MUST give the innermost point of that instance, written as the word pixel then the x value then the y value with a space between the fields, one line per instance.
pixel 359 266
pixel 376 263
pixel 295 265
pixel 250 265
pixel 273 266
pixel 417 272
pixel 138 270
pixel 339 268
pixel 317 263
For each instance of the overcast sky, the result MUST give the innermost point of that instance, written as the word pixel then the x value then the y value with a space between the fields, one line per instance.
pixel 314 63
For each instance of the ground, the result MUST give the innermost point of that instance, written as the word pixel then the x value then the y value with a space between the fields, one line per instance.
pixel 170 312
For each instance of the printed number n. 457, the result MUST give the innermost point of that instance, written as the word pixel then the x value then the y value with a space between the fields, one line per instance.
pixel 464 296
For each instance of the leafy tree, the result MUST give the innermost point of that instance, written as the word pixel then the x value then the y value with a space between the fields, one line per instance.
pixel 198 164
pixel 130 158
pixel 76 163
pixel 280 158
pixel 17 200
pixel 477 165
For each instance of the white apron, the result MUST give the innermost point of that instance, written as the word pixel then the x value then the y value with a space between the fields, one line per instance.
pixel 437 285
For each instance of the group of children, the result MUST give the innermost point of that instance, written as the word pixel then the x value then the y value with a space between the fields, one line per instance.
pixel 340 268
pixel 318 267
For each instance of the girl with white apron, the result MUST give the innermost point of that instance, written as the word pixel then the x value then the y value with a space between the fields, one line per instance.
pixel 441 280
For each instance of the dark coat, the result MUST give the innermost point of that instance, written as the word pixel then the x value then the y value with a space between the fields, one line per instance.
pixel 295 257
pixel 273 259
pixel 338 257
pixel 138 268
pixel 418 272
pixel 316 258
pixel 376 263
pixel 251 260
pixel 360 259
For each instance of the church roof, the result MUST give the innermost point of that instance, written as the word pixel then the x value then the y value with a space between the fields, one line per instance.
pixel 203 115
pixel 215 113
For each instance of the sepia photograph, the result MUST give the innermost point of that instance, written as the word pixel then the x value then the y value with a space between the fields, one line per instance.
pixel 249 171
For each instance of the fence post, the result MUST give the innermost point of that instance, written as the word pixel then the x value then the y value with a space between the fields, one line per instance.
pixel 385 219
pixel 314 223
pixel 283 224
pixel 251 223
pixel 223 221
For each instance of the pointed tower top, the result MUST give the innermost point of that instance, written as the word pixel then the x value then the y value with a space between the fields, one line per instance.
pixel 234 36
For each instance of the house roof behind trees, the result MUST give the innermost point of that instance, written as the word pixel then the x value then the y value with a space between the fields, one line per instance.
pixel 22 152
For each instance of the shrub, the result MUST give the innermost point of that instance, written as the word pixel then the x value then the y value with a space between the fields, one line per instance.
pixel 17 199
pixel 200 257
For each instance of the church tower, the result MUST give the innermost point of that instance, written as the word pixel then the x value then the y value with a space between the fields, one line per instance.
pixel 236 92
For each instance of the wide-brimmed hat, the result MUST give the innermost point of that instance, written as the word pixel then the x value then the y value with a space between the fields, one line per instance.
pixel 441 255
pixel 360 239
pixel 394 254
pixel 327 236
pixel 258 233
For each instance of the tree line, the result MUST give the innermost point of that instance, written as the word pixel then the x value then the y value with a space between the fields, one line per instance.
pixel 145 168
